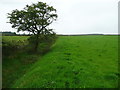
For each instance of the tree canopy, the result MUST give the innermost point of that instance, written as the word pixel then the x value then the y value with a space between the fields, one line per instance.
pixel 33 18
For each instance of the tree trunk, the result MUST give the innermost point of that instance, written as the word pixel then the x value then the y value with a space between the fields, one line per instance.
pixel 36 43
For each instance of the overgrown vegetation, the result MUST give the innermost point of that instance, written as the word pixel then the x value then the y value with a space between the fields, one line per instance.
pixel 10 47
pixel 18 53
pixel 44 43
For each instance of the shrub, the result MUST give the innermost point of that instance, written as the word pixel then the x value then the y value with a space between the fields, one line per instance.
pixel 11 47
pixel 44 43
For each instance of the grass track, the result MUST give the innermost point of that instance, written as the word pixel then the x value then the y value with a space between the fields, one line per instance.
pixel 76 62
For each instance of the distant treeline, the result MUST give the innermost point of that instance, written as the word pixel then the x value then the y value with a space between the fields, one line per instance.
pixel 83 34
pixel 77 34
pixel 12 34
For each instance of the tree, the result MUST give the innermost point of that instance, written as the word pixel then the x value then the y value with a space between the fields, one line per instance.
pixel 34 18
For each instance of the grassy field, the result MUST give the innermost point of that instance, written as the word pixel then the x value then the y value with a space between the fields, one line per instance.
pixel 73 62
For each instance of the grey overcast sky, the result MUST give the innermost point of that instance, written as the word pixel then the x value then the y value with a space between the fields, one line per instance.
pixel 74 16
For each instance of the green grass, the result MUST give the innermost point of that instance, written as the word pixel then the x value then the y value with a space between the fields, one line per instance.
pixel 15 65
pixel 73 62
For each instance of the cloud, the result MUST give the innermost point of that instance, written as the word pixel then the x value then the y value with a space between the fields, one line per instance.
pixel 74 16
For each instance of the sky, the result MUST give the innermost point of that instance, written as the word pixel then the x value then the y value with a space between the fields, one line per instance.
pixel 74 16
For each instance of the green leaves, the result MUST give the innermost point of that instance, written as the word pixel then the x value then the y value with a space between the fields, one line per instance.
pixel 34 18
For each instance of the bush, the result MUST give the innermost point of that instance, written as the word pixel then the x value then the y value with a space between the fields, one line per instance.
pixel 44 42
pixel 11 47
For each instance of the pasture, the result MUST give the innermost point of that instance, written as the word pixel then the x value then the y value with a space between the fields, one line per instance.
pixel 73 62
